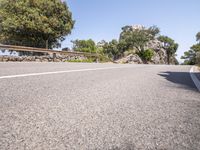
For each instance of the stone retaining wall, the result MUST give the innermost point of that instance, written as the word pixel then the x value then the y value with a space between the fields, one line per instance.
pixel 40 58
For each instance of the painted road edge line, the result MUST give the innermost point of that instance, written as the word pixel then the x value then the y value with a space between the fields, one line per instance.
pixel 59 72
pixel 194 78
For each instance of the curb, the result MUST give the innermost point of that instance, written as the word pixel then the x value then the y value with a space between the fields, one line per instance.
pixel 194 78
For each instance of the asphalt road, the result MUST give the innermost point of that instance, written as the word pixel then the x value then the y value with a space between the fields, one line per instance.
pixel 128 107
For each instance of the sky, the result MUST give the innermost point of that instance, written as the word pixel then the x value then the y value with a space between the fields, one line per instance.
pixel 103 19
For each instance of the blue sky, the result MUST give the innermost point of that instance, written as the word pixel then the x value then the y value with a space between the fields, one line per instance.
pixel 103 19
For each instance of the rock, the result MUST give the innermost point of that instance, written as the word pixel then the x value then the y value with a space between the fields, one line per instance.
pixel 155 44
pixel 47 58
pixel 132 59
pixel 29 58
pixel 159 57
pixel 5 59
pixel 156 59
pixel 57 60
pixel 37 60
pixel 12 59
pixel 138 27
pixel 20 59
pixel 72 58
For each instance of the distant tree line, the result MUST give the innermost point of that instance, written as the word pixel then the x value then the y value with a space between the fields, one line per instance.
pixel 192 56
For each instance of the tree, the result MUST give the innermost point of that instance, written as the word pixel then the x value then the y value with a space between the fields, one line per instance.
pixel 100 47
pixel 192 56
pixel 198 37
pixel 84 46
pixel 35 23
pixel 189 57
pixel 132 39
pixel 137 37
pixel 111 49
pixel 169 45
pixel 153 31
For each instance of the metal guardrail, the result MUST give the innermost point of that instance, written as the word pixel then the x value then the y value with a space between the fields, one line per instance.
pixel 53 52
pixel 42 50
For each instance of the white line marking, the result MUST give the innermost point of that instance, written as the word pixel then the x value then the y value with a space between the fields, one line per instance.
pixel 60 72
pixel 194 78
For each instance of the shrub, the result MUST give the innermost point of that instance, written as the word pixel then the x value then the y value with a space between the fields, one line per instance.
pixel 146 55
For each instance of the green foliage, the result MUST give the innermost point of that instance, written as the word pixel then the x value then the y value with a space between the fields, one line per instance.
pixel 176 61
pixel 196 48
pixel 137 38
pixel 153 31
pixel 169 45
pixel 111 49
pixel 198 37
pixel 146 55
pixel 84 46
pixel 192 56
pixel 99 47
pixel 132 40
pixel 34 22
pixel 189 57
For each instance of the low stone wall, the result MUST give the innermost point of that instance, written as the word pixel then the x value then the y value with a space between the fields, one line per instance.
pixel 40 58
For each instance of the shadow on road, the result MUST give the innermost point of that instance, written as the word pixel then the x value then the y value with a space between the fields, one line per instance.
pixel 181 78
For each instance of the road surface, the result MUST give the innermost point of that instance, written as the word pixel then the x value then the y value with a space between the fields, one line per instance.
pixel 97 107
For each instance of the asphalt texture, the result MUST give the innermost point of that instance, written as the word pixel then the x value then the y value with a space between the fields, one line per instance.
pixel 135 107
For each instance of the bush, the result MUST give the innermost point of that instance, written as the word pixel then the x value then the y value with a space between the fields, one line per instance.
pixel 146 55
pixel 128 52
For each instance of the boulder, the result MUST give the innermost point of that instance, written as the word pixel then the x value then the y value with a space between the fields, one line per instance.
pixel 160 57
pixel 155 44
pixel 5 59
pixel 132 59
pixel 37 60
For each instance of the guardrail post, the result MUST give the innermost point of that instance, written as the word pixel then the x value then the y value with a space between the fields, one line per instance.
pixel 54 56
pixel 97 60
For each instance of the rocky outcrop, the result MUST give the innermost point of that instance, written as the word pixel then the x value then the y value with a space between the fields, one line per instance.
pixel 159 57
pixel 47 58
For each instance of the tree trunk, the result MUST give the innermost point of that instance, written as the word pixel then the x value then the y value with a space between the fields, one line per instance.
pixel 47 44
pixel 168 59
